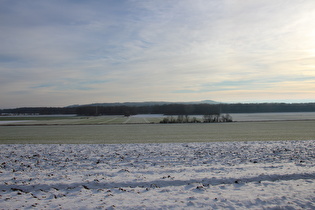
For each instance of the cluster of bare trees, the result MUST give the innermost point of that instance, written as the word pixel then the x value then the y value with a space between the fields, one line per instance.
pixel 208 118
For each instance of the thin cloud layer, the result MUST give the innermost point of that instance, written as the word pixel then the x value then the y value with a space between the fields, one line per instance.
pixel 57 53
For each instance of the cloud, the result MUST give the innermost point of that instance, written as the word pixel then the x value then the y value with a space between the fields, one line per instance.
pixel 105 51
pixel 71 84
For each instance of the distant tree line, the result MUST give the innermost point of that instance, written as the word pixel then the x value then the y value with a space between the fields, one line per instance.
pixel 167 109
pixel 40 110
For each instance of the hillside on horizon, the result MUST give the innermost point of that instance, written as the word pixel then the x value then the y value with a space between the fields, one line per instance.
pixel 146 103
pixel 167 108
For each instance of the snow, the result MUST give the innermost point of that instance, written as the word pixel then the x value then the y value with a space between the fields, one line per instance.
pixel 234 175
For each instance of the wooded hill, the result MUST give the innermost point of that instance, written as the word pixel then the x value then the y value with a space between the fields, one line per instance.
pixel 167 109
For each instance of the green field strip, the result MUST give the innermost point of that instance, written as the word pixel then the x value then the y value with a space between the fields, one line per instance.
pixel 118 120
pixel 154 119
pixel 93 120
pixel 127 120
pixel 101 120
pixel 110 120
pixel 135 120
pixel 159 133
pixel 145 120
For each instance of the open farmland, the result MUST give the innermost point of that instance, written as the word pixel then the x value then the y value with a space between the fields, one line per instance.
pixel 216 175
pixel 142 118
pixel 80 120
pixel 158 133
pixel 116 162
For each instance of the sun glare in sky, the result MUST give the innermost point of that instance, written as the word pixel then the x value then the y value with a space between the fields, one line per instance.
pixel 58 53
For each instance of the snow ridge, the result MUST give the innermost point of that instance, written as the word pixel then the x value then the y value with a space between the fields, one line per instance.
pixel 159 183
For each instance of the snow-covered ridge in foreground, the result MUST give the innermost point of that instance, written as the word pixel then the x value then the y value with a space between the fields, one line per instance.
pixel 234 175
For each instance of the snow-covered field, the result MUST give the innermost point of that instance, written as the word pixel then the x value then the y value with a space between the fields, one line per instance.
pixel 234 175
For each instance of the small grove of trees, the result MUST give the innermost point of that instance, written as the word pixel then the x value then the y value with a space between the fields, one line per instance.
pixel 208 118
pixel 180 119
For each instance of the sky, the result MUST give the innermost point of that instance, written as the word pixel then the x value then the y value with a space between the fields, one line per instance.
pixel 65 52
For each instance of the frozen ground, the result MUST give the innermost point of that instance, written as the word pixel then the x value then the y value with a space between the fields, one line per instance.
pixel 234 175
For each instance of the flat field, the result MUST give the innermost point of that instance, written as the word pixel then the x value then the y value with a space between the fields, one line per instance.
pixel 80 120
pixel 158 133
pixel 116 162
pixel 216 175
pixel 142 118
pixel 146 129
